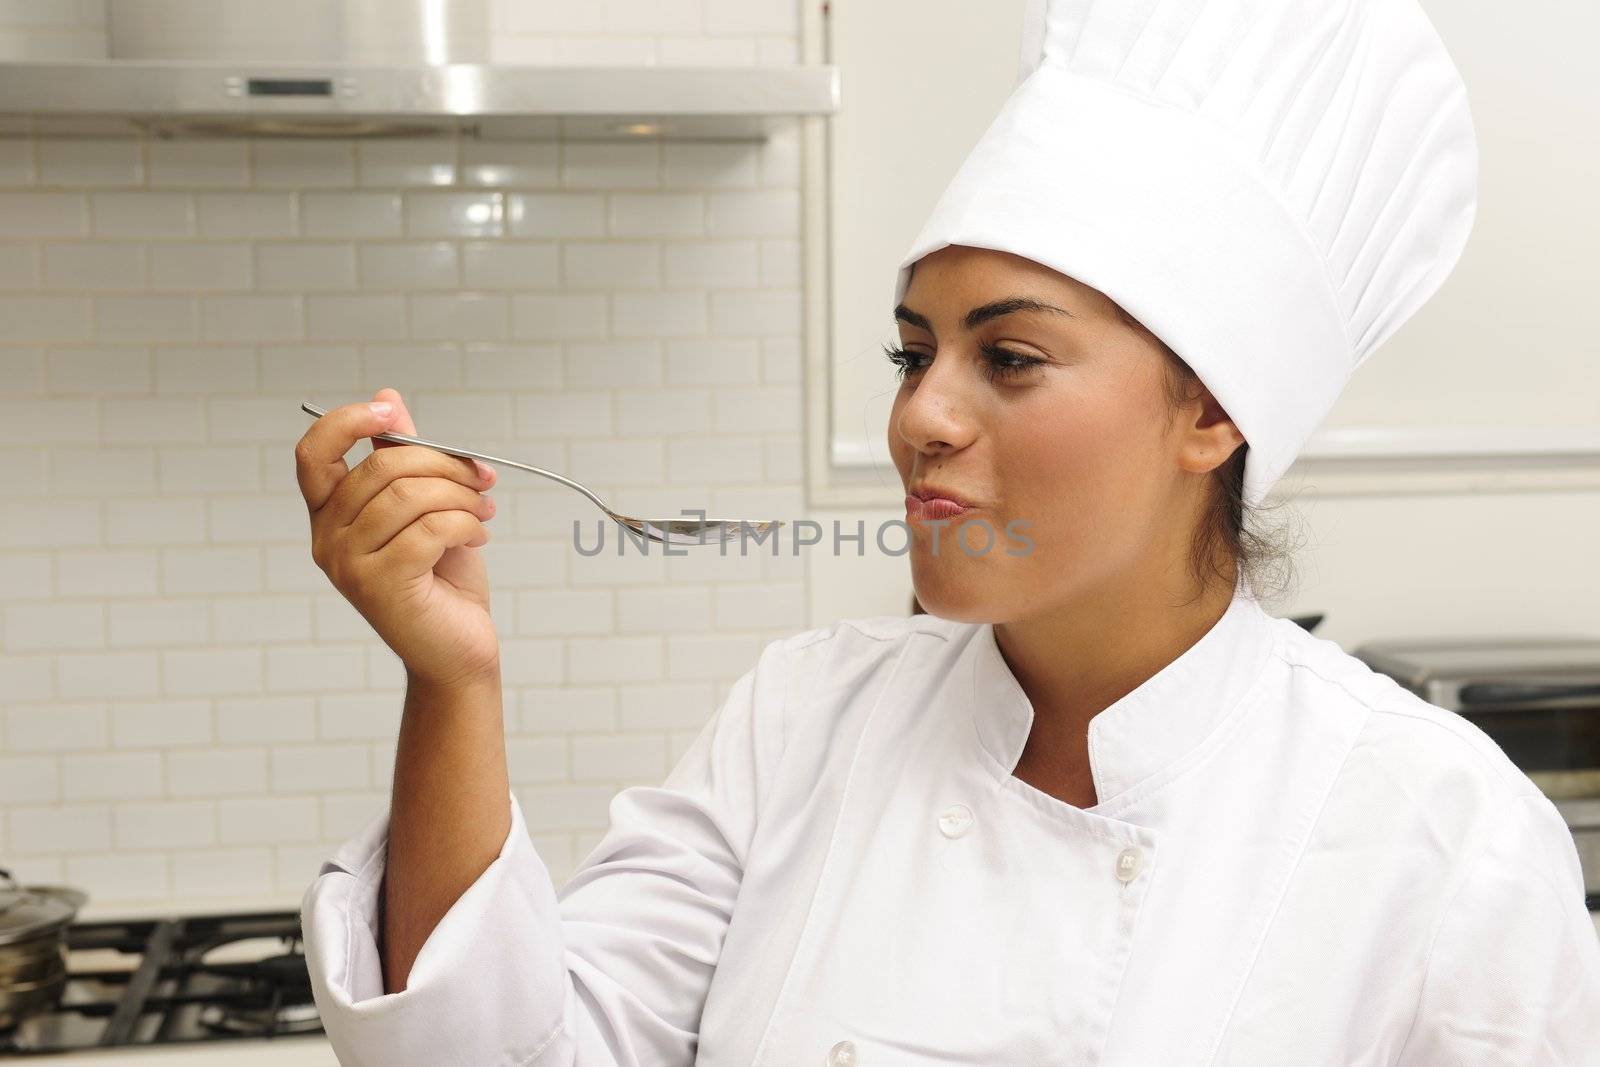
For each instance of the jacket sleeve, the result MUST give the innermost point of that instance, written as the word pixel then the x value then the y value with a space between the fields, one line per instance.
pixel 611 970
pixel 1513 977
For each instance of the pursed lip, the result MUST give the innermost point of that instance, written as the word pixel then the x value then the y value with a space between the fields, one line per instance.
pixel 927 491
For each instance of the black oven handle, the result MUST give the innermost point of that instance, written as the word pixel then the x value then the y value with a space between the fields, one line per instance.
pixel 1513 692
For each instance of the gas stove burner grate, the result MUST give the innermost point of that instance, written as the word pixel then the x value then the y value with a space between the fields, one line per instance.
pixel 275 998
pixel 193 979
pixel 262 1021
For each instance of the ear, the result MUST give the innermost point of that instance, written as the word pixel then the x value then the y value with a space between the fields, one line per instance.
pixel 1209 435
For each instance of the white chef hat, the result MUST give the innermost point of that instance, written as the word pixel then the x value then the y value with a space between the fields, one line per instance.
pixel 1272 187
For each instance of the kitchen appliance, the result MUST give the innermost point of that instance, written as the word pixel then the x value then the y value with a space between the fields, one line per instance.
pixel 379 68
pixel 32 957
pixel 1538 698
pixel 184 982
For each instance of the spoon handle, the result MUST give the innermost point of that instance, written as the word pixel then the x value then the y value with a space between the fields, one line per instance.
pixel 467 453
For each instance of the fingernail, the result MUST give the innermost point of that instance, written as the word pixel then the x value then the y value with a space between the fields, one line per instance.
pixel 381 408
pixel 484 470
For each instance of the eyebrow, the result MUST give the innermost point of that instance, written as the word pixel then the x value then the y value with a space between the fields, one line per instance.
pixel 982 313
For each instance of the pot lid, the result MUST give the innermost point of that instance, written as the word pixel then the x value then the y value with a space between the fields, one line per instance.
pixel 28 911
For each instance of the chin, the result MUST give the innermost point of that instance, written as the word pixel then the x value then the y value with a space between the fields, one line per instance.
pixel 956 597
pixel 976 612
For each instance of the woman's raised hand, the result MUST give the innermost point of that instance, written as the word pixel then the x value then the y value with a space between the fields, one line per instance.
pixel 399 535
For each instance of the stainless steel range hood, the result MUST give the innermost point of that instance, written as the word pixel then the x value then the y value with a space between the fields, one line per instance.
pixel 380 68
pixel 256 100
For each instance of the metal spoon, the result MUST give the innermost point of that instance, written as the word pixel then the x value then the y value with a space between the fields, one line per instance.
pixel 666 531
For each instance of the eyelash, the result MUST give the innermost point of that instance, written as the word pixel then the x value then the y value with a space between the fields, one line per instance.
pixel 1003 363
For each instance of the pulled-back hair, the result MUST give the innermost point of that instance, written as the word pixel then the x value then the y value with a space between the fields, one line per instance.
pixel 1228 529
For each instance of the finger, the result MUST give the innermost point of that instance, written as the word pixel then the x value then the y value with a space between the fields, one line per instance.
pixel 417 548
pixel 319 454
pixel 404 424
pixel 402 502
pixel 378 471
pixel 402 416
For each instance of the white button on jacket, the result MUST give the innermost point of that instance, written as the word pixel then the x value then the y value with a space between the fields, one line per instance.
pixel 1292 860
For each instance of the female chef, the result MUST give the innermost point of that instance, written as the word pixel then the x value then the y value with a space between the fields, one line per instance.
pixel 1096 806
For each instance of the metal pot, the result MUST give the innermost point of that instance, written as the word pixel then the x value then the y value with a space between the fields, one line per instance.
pixel 33 950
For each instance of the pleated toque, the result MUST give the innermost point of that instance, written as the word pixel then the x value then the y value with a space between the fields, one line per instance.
pixel 1272 188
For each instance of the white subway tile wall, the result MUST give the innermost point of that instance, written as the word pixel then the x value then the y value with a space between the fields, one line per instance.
pixel 189 712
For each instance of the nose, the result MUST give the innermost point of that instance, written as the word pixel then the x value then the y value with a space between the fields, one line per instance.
pixel 935 414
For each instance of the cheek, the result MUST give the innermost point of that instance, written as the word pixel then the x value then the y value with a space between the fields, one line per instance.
pixel 1074 437
pixel 1077 462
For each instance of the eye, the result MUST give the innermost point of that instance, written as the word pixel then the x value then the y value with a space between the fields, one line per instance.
pixel 1002 362
pixel 903 360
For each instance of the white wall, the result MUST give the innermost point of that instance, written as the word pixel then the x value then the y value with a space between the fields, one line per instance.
pixel 189 712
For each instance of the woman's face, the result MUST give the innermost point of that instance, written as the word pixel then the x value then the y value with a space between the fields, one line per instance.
pixel 1077 447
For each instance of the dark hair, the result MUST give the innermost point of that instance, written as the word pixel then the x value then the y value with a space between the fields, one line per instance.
pixel 1226 532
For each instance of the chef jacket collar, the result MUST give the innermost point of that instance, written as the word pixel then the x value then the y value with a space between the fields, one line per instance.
pixel 1166 716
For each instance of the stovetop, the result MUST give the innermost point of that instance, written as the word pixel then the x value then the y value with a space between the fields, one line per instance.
pixel 175 981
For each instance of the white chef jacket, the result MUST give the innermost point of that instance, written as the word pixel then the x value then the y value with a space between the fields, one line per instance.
pixel 1292 860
